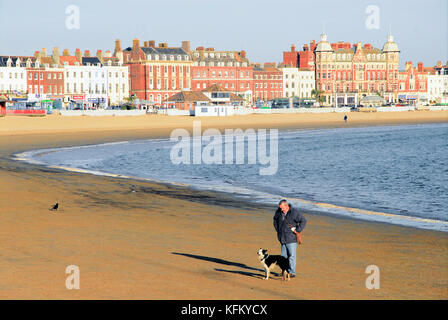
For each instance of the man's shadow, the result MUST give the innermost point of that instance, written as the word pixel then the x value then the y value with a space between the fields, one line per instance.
pixel 228 263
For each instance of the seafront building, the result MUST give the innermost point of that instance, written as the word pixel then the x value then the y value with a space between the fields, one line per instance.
pixel 156 72
pixel 13 78
pixel 230 69
pixel 268 82
pixel 337 74
pixel 298 82
pixel 346 72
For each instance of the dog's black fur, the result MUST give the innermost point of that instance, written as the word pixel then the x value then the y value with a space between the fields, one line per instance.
pixel 269 262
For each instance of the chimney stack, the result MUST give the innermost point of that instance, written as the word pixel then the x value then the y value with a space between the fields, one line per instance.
pixel 44 52
pixel 151 44
pixel 293 48
pixel 37 54
pixel 56 55
pixel 108 54
pixel 186 46
pixel 78 55
pixel 243 54
pixel 86 53
pixel 117 46
pixel 420 67
pixel 66 53
pixel 146 44
pixel 99 54
pixel 135 44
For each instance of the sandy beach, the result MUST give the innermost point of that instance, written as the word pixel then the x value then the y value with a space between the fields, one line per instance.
pixel 138 240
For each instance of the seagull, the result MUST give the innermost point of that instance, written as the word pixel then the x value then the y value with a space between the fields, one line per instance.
pixel 54 207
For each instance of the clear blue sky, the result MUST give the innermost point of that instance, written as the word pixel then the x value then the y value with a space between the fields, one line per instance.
pixel 264 28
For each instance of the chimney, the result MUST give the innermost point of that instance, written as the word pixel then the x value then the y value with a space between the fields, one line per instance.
pixel 56 55
pixel 163 45
pixel 78 55
pixel 186 46
pixel 200 48
pixel 146 44
pixel 407 65
pixel 99 54
pixel 87 53
pixel 151 44
pixel 135 44
pixel 117 46
pixel 44 52
pixel 243 54
pixel 37 54
pixel 65 53
pixel 293 48
pixel 210 49
pixel 420 67
pixel 108 54
pixel 305 47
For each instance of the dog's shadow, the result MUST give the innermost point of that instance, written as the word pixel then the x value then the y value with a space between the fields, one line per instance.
pixel 229 263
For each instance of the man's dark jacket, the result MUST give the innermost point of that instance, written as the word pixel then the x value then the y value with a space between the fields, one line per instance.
pixel 284 232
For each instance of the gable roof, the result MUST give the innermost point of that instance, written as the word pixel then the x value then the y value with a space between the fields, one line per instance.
pixel 188 96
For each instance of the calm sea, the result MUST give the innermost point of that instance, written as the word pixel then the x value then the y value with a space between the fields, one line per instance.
pixel 393 174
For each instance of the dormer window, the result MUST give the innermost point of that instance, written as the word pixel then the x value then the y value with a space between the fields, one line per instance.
pixel 171 57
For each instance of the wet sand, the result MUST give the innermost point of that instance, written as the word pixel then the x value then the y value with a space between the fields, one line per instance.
pixel 137 240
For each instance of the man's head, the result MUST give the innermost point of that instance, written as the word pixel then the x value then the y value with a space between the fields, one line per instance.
pixel 284 206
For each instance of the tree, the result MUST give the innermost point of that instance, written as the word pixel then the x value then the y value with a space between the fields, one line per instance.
pixel 317 94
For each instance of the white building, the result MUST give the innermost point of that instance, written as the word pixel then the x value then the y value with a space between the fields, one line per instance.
pixel 437 87
pixel 298 82
pixel 87 83
pixel 12 75
pixel 117 83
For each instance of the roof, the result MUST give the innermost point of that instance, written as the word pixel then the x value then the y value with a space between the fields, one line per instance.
pixel 4 60
pixel 69 59
pixel 166 51
pixel 90 60
pixel 323 44
pixel 215 88
pixel 235 97
pixel 188 96
pixel 390 45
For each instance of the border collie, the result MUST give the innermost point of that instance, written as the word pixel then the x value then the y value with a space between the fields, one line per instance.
pixel 269 262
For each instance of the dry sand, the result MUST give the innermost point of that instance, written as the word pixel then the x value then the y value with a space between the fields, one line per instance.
pixel 137 240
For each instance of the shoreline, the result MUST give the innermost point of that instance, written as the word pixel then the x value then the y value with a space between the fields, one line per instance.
pixel 318 207
pixel 137 240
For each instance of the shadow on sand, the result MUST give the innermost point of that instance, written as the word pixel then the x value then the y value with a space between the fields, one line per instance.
pixel 228 263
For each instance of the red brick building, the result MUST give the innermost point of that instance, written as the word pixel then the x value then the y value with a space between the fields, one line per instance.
pixel 268 82
pixel 412 84
pixel 230 69
pixel 45 76
pixel 300 59
pixel 156 72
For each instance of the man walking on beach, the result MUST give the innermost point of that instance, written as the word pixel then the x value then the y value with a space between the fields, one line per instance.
pixel 289 223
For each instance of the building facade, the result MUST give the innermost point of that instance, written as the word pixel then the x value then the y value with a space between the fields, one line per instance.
pixel 298 82
pixel 344 73
pixel 268 82
pixel 230 69
pixel 157 72
pixel 413 84
pixel 13 78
